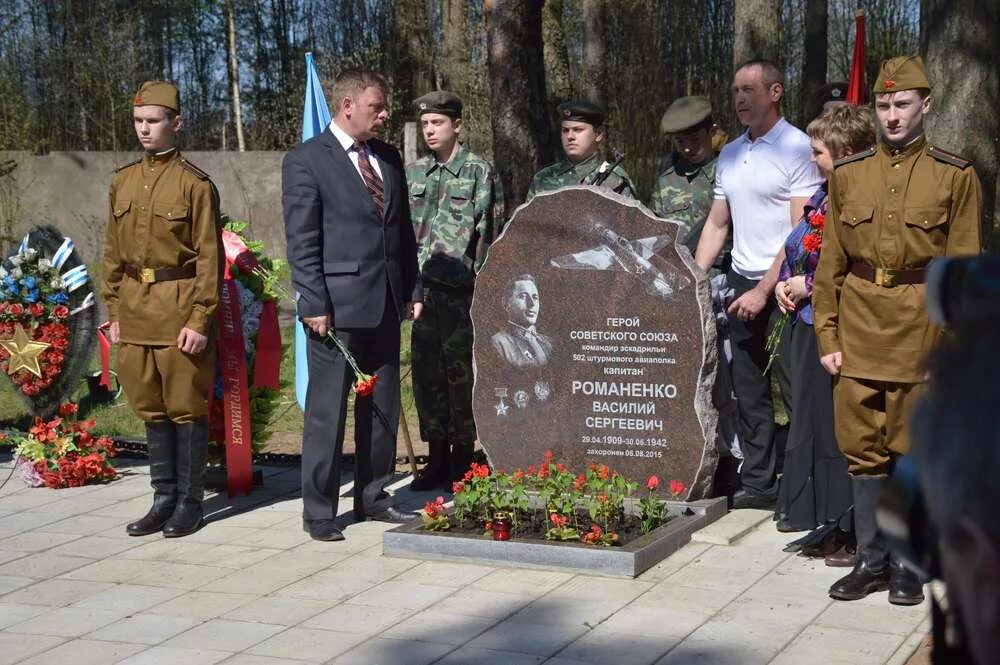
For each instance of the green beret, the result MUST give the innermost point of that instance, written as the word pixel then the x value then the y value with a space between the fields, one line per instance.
pixel 159 93
pixel 582 111
pixel 440 101
pixel 902 73
pixel 685 113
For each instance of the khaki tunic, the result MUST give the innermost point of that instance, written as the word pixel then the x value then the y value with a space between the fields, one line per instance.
pixel 162 215
pixel 893 209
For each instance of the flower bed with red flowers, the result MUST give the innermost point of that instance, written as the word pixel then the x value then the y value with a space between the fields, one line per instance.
pixel 34 297
pixel 551 502
pixel 63 452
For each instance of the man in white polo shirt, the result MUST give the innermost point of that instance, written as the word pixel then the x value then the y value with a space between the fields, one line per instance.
pixel 763 180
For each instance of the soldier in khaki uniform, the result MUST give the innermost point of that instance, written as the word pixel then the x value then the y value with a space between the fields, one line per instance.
pixel 892 209
pixel 456 203
pixel 161 285
pixel 582 131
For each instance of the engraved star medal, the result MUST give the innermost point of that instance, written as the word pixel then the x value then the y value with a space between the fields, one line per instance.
pixel 23 352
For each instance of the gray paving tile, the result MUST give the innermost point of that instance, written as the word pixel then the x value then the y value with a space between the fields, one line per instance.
pixel 385 651
pixel 285 611
pixel 35 541
pixel 441 573
pixel 14 613
pixel 144 628
pixel 361 619
pixel 606 645
pixel 402 593
pixel 67 622
pixel 85 652
pixel 85 525
pixel 490 657
pixel 57 592
pixel 10 583
pixel 435 625
pixel 172 656
pixel 15 647
pixel 129 597
pixel 95 547
pixel 815 644
pixel 528 638
pixel 224 635
pixel 203 604
pixel 312 645
pixel 11 555
pixel 43 565
pixel 249 659
pixel 478 601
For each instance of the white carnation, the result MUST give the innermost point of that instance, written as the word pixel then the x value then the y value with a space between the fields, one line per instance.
pixel 44 264
pixel 16 273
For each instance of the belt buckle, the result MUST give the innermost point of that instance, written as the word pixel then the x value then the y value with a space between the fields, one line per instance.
pixel 886 277
pixel 147 276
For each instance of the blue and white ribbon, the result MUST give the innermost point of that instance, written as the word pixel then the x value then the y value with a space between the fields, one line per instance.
pixel 87 302
pixel 63 253
pixel 24 245
pixel 75 278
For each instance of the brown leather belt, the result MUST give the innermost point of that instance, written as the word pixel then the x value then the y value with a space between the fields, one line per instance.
pixel 889 277
pixel 150 275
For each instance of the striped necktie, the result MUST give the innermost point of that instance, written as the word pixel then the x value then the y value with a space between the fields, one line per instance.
pixel 372 180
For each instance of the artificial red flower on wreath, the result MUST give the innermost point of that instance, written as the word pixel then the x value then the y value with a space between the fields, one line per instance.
pixel 62 453
pixel 17 309
pixel 60 311
pixel 36 309
pixel 652 483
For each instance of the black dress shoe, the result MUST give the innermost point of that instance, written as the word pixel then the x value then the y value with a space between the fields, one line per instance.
pixel 784 526
pixel 861 581
pixel 743 500
pixel 325 530
pixel 393 515
pixel 431 478
pixel 904 585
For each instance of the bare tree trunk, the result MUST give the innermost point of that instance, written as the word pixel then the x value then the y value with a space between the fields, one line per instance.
pixel 594 50
pixel 234 75
pixel 521 130
pixel 454 72
pixel 557 79
pixel 951 43
pixel 412 55
pixel 815 48
pixel 758 26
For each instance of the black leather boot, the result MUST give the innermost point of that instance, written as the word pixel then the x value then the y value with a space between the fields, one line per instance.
pixel 871 572
pixel 192 455
pixel 461 460
pixel 437 471
pixel 161 444
pixel 904 585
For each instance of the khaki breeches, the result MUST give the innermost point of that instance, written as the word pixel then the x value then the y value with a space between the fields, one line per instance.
pixel 163 383
pixel 872 422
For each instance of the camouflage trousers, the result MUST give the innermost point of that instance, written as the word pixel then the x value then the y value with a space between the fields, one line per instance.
pixel 441 351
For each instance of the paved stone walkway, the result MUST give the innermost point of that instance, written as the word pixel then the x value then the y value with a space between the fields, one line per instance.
pixel 253 589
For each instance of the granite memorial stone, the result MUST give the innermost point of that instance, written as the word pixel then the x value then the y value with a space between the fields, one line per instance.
pixel 594 338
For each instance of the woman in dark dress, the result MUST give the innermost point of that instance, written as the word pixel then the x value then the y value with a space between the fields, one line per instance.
pixel 815 488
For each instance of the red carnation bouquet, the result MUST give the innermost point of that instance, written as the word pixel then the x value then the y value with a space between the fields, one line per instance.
pixel 812 241
pixel 63 452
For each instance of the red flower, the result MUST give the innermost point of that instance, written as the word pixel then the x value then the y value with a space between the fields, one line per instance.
pixel 17 309
pixel 817 219
pixel 579 482
pixel 457 487
pixel 549 455
pixel 652 483
pixel 677 487
pixel 604 472
pixel 60 312
pixel 36 309
pixel 560 468
pixel 67 409
pixel 434 509
pixel 532 470
pixel 480 470
pixel 812 242
pixel 518 475
pixel 558 520
pixel 365 386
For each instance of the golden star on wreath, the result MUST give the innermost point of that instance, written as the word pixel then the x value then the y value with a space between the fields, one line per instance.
pixel 23 352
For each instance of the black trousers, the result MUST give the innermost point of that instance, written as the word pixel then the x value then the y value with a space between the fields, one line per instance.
pixel 376 418
pixel 815 487
pixel 753 390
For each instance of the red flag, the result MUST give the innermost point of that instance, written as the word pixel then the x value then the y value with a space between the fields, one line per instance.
pixel 856 89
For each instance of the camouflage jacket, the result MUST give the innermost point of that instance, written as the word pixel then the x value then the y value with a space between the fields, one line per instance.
pixel 565 173
pixel 457 211
pixel 684 193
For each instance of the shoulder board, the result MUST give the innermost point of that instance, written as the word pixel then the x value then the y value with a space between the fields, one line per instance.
pixel 122 168
pixel 947 157
pixel 856 157
pixel 188 166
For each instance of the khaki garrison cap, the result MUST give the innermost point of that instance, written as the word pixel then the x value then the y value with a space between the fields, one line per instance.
pixel 902 73
pixel 581 111
pixel 685 113
pixel 440 101
pixel 159 93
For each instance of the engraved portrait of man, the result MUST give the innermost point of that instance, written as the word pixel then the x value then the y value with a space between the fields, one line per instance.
pixel 519 343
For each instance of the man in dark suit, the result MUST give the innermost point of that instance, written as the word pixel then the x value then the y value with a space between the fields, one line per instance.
pixel 354 264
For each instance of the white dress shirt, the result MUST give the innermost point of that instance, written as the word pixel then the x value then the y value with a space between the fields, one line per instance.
pixel 348 143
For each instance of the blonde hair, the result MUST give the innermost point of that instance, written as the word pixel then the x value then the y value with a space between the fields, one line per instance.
pixel 844 129
pixel 351 83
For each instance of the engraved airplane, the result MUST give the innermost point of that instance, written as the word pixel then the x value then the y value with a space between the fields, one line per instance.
pixel 618 253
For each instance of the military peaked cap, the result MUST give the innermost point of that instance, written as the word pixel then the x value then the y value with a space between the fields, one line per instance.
pixel 902 73
pixel 440 101
pixel 685 113
pixel 832 92
pixel 582 111
pixel 159 93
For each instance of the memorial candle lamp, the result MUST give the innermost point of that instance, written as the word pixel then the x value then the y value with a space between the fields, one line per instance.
pixel 501 526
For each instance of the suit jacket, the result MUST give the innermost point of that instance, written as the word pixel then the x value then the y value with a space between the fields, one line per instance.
pixel 342 254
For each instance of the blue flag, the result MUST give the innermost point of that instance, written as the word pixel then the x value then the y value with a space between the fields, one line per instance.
pixel 315 120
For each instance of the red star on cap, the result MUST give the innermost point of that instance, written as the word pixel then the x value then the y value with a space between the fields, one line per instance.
pixel 889 83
